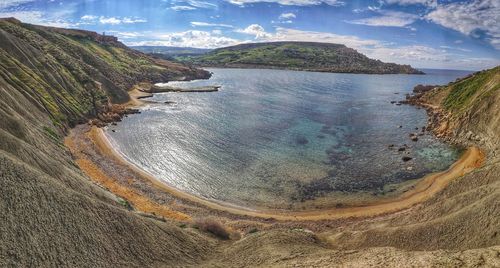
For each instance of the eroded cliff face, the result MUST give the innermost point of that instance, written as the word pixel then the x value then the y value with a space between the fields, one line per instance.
pixel 466 111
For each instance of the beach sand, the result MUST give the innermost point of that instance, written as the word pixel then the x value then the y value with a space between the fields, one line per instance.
pixel 423 190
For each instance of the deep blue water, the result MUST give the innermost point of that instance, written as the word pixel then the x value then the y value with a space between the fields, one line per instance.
pixel 280 138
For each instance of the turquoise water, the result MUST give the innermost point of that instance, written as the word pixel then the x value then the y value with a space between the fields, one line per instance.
pixel 279 139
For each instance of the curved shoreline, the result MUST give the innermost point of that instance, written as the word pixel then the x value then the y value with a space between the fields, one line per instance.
pixel 426 188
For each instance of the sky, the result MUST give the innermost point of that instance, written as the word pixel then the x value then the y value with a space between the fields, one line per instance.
pixel 424 33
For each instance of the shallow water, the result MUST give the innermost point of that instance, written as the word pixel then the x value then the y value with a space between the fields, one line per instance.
pixel 282 139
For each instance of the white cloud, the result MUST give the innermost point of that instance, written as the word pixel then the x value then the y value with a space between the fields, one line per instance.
pixel 128 20
pixel 469 18
pixel 109 20
pixel 125 35
pixel 287 16
pixel 37 17
pixel 12 3
pixel 206 24
pixel 255 29
pixel 289 2
pixel 182 8
pixel 194 38
pixel 186 5
pixel 430 3
pixel 201 4
pixel 88 17
pixel 388 18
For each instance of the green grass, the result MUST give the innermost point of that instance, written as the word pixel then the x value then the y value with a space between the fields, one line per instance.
pixel 296 55
pixel 462 92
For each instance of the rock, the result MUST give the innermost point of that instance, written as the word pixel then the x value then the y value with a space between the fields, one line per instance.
pixel 402 149
pixel 414 138
pixel 391 146
pixel 406 158
pixel 409 168
pixel 301 140
pixel 392 102
pixel 400 126
pixel 469 135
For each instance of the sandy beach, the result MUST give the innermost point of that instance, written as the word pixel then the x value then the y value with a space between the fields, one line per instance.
pixel 423 190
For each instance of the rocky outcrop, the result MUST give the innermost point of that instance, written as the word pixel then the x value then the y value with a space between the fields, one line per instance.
pixel 466 111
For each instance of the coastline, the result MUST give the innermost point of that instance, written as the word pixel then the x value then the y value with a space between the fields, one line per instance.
pixel 425 188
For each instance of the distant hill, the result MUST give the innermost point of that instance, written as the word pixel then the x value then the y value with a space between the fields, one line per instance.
pixel 306 56
pixel 167 52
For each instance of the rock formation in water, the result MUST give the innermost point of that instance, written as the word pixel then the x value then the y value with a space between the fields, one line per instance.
pixel 51 214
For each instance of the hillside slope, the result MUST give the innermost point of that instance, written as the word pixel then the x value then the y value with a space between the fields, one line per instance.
pixel 50 213
pixel 306 56
pixel 466 111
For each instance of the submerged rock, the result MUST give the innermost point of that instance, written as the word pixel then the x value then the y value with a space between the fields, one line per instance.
pixel 406 158
pixel 301 140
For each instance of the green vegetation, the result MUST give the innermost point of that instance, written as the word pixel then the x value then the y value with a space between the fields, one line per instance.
pixel 472 89
pixel 51 133
pixel 306 56
pixel 73 74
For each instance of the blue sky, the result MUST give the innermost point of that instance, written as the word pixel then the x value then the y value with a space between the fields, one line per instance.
pixel 423 33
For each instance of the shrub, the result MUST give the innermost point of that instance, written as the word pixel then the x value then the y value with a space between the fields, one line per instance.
pixel 214 227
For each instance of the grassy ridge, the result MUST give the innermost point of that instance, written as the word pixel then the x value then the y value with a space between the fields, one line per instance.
pixel 465 92
pixel 71 73
pixel 306 56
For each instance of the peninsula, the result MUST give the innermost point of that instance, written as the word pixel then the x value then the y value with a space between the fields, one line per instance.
pixel 303 56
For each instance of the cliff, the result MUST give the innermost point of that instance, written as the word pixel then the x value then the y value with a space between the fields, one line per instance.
pixel 466 111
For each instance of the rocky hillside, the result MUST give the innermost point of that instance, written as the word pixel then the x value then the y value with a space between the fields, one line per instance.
pixel 71 73
pixel 50 213
pixel 467 110
pixel 307 56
